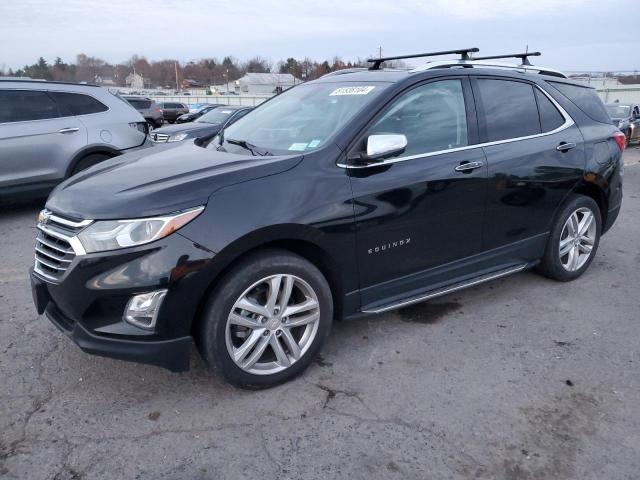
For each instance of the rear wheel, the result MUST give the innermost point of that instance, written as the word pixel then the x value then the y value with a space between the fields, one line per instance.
pixel 267 320
pixel 573 241
pixel 89 161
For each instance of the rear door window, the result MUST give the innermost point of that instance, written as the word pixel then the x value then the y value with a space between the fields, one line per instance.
pixel 25 105
pixel 550 116
pixel 510 109
pixel 78 104
pixel 586 99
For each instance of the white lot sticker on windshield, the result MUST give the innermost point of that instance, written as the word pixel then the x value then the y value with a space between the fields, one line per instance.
pixel 298 146
pixel 225 111
pixel 351 91
pixel 314 143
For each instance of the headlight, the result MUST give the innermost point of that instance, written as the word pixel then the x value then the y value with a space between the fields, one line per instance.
pixel 113 234
pixel 178 137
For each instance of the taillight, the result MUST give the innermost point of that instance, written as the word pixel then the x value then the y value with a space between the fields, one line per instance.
pixel 620 139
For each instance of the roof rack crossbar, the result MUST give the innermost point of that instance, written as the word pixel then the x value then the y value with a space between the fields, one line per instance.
pixel 521 56
pixel 463 52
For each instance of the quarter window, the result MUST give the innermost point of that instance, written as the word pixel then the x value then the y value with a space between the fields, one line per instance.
pixel 77 103
pixel 432 117
pixel 25 105
pixel 586 99
pixel 510 109
pixel 550 117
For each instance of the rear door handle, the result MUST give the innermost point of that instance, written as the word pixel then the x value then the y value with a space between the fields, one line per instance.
pixel 468 166
pixel 565 146
pixel 68 130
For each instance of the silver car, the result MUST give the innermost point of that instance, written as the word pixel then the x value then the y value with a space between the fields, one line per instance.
pixel 51 130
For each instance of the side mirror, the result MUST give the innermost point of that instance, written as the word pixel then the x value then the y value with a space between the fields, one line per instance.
pixel 382 146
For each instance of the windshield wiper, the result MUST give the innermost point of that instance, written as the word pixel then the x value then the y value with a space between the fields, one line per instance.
pixel 247 146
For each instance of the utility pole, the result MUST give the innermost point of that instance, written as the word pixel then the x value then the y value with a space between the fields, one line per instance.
pixel 379 52
pixel 175 66
pixel 227 81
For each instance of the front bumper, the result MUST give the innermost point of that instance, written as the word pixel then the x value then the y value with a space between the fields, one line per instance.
pixel 88 302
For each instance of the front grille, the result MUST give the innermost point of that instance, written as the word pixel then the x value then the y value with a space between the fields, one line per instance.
pixel 159 137
pixel 54 249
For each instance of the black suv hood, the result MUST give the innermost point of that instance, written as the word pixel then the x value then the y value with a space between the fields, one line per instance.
pixel 157 181
pixel 191 128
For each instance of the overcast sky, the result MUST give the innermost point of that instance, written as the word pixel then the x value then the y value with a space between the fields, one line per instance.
pixel 572 34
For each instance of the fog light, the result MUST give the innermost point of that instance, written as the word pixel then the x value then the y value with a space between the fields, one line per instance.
pixel 142 310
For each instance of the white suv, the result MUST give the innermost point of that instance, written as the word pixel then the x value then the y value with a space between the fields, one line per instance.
pixel 51 130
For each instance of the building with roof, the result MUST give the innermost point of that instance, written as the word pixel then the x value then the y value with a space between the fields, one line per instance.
pixel 266 83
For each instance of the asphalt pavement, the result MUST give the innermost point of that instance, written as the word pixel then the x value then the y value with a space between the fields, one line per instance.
pixel 521 378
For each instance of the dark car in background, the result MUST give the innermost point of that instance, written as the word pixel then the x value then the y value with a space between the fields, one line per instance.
pixel 197 113
pixel 358 193
pixel 147 108
pixel 627 118
pixel 172 110
pixel 207 125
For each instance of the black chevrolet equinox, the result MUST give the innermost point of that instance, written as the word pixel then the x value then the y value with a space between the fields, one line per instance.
pixel 358 193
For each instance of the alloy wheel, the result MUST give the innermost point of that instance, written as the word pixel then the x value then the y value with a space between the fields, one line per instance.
pixel 577 239
pixel 272 324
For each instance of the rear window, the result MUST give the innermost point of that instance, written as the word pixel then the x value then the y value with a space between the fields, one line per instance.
pixel 25 105
pixel 139 104
pixel 173 105
pixel 510 109
pixel 77 103
pixel 586 99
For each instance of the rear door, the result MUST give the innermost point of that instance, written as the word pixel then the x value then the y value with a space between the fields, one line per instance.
pixel 535 157
pixel 424 209
pixel 37 140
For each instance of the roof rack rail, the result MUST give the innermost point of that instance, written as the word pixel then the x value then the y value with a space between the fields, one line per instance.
pixel 463 52
pixel 41 80
pixel 521 56
pixel 479 64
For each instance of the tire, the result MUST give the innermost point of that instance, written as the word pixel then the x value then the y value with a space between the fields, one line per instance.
pixel 627 138
pixel 252 337
pixel 569 267
pixel 89 161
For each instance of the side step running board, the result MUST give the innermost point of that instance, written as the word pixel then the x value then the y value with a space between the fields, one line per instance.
pixel 449 289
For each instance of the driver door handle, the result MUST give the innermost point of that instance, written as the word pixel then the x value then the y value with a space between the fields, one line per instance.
pixel 68 130
pixel 466 167
pixel 565 146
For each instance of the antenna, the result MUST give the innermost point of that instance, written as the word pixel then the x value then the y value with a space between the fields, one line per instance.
pixel 463 52
pixel 522 56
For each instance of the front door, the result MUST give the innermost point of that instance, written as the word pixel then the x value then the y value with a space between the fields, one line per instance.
pixel 419 213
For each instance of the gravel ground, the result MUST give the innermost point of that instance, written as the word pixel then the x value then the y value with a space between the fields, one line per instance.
pixel 522 378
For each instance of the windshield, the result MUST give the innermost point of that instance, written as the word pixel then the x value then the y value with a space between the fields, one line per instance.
pixel 217 115
pixel 304 117
pixel 618 111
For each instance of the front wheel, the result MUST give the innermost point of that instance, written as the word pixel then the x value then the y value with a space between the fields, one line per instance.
pixel 268 319
pixel 573 241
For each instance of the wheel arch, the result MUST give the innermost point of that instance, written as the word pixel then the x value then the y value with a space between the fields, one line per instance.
pixel 101 149
pixel 597 194
pixel 299 242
